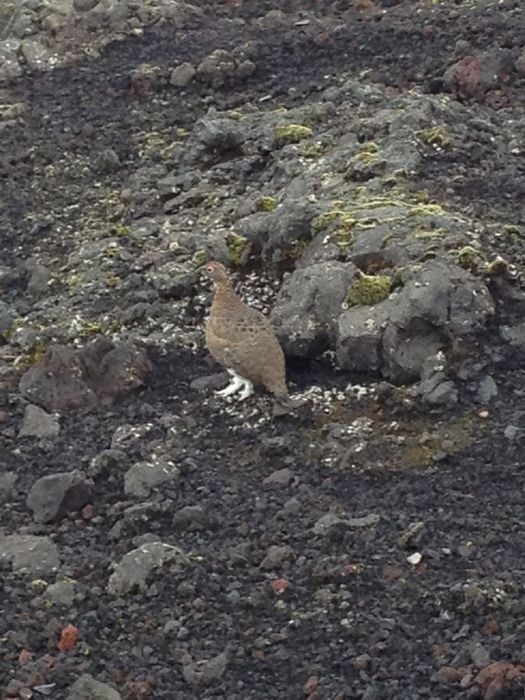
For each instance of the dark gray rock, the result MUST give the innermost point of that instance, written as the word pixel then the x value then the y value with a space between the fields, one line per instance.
pixel 51 497
pixel 438 302
pixel 142 477
pixel 487 390
pixel 215 138
pixel 29 554
pixel 57 382
pixel 7 485
pixel 88 688
pixel 61 593
pixel 10 67
pixel 281 478
pixel 132 571
pixel 182 75
pixel 7 315
pixel 308 305
pixel 39 424
pixel 217 68
pixel 191 518
pixel 276 556
pixel 85 5
pixel 277 233
pixel 205 672
pixel 174 280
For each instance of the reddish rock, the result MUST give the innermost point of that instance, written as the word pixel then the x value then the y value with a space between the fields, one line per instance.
pixel 498 676
pixel 474 75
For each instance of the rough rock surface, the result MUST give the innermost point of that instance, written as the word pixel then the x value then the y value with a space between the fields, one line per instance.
pixel 359 168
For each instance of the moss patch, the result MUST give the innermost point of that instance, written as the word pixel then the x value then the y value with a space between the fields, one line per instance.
pixel 293 133
pixel 238 248
pixel 267 203
pixel 368 290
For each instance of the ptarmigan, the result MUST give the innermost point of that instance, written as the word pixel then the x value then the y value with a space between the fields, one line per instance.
pixel 242 339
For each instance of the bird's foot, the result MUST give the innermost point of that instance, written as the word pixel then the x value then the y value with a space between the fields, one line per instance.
pixel 234 385
pixel 246 391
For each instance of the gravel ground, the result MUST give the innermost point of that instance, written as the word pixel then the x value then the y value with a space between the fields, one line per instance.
pixel 368 546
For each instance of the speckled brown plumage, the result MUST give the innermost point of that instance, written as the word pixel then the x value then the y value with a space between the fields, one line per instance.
pixel 242 339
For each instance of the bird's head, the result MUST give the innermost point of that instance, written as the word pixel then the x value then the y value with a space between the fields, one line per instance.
pixel 217 272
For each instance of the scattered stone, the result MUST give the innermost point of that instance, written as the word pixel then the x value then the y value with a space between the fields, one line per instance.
pixel 474 75
pixel 51 497
pixel 133 570
pixel 276 556
pixel 497 677
pixel 480 656
pixel 205 672
pixel 311 685
pixel 412 535
pixel 279 479
pixel 365 521
pixel 7 485
pixel 414 559
pixel 37 423
pixel 85 5
pixel 511 432
pixel 328 522
pixel 87 688
pixel 487 390
pixel 35 54
pixel 57 383
pixel 182 75
pixel 217 68
pixel 142 477
pixel 61 593
pixel 10 67
pixel 362 662
pixel 191 518
pixel 29 554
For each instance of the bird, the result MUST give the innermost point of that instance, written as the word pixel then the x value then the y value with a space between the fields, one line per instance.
pixel 242 339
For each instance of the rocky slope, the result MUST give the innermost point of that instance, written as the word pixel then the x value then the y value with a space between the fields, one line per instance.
pixel 359 167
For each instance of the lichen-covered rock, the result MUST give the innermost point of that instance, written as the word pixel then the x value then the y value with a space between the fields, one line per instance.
pixel 308 306
pixel 438 302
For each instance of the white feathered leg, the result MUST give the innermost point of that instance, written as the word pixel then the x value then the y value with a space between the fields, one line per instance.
pixel 237 382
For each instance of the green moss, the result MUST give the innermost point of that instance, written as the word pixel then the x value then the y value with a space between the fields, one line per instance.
pixel 113 281
pixel 267 203
pixel 368 290
pixel 368 154
pixel 293 133
pixel 112 252
pixel 89 329
pixel 511 230
pixel 430 233
pixel 436 136
pixel 32 356
pixel 238 248
pixel 200 257
pixel 120 230
pixel 497 267
pixel 426 210
pixel 469 258
pixel 314 150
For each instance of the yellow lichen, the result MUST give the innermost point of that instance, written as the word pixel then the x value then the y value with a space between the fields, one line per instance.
pixel 469 258
pixel 267 203
pixel 435 136
pixel 238 248
pixel 199 257
pixel 120 230
pixel 368 153
pixel 293 133
pixel 497 267
pixel 368 290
